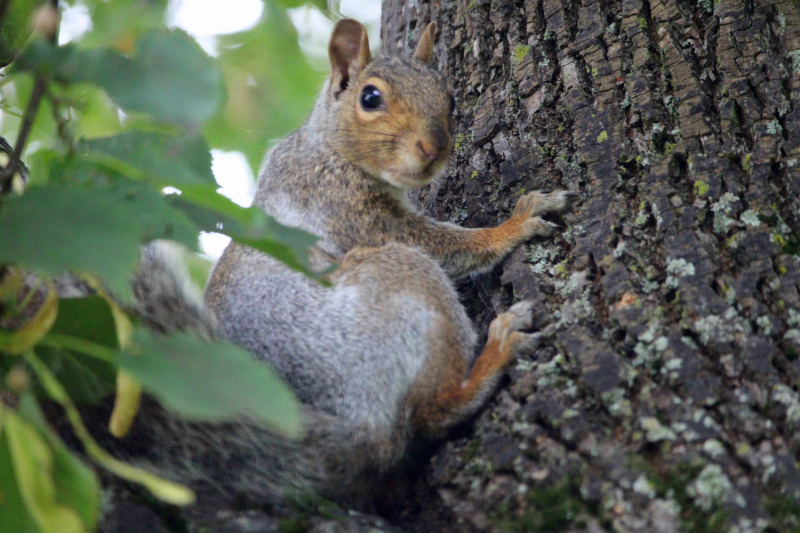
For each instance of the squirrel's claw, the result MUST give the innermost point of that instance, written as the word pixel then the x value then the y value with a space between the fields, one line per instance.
pixel 538 227
pixel 522 313
pixel 525 342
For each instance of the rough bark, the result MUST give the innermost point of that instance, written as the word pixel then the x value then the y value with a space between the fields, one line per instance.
pixel 665 398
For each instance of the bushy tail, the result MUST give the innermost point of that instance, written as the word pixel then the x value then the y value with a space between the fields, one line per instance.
pixel 164 297
pixel 334 457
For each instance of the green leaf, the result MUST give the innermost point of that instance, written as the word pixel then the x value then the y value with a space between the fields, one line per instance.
pixel 247 225
pixel 175 160
pixel 233 382
pixel 41 164
pixel 36 326
pixel 172 78
pixel 58 228
pixel 148 210
pixel 112 21
pixel 16 28
pixel 33 461
pixel 250 223
pixel 271 84
pixel 72 169
pixel 88 318
pixel 166 490
pixel 87 378
pixel 77 485
pixel 14 516
pixel 93 112
pixel 168 75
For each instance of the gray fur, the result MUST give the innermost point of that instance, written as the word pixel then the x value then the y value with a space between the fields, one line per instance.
pixel 346 351
pixel 241 457
pixel 164 298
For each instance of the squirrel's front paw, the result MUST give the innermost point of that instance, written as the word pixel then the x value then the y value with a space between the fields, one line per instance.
pixel 537 203
pixel 505 329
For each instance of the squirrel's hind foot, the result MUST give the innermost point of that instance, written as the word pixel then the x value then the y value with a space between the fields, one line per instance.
pixel 506 330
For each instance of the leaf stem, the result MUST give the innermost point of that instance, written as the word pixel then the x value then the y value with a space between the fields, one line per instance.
pixel 34 288
pixel 57 340
pixel 161 488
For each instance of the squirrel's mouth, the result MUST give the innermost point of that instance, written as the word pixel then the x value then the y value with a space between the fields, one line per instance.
pixel 413 174
pixel 424 175
pixel 433 167
pixel 410 178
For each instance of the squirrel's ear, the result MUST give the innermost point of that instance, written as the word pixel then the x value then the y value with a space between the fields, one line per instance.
pixel 424 51
pixel 349 53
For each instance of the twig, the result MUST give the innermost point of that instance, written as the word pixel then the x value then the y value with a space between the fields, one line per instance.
pixel 39 88
pixel 7 175
pixel 62 124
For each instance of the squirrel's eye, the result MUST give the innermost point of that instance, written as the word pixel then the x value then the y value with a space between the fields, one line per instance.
pixel 452 104
pixel 371 98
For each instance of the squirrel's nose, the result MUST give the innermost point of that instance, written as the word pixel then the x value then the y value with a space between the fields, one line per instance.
pixel 428 151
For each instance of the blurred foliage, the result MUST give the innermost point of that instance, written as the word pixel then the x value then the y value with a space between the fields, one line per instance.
pixel 120 23
pixel 271 86
pixel 15 26
pixel 129 109
pixel 164 75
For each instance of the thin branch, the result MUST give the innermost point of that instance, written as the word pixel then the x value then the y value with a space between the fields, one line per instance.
pixel 7 175
pixel 62 124
pixel 39 88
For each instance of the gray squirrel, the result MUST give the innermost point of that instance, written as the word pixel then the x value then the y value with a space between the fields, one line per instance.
pixel 386 354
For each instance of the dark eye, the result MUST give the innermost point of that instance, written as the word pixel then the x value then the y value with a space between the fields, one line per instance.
pixel 371 98
pixel 452 104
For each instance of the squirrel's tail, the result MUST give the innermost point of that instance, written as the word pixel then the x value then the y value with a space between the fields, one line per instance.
pixel 164 297
pixel 333 458
pixel 330 458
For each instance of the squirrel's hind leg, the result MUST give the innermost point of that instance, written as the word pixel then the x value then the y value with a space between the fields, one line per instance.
pixel 458 399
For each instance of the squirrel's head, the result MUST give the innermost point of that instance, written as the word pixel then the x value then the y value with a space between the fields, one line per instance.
pixel 394 115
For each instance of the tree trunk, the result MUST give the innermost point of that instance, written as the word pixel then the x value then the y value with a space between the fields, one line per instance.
pixel 664 398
